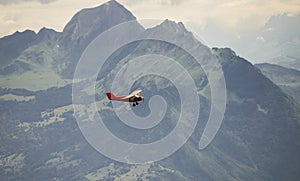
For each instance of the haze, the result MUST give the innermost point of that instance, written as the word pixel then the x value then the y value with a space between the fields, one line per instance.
pixel 221 23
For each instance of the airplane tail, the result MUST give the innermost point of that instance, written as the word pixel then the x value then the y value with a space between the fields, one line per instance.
pixel 110 96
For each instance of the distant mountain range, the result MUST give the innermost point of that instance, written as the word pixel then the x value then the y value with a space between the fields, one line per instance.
pixel 287 79
pixel 40 140
pixel 287 62
pixel 276 41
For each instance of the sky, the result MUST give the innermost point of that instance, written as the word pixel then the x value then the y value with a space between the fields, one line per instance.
pixel 233 17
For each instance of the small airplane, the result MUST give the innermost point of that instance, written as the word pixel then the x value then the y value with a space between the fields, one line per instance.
pixel 132 97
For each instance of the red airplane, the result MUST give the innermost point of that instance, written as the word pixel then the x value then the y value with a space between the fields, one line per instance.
pixel 132 97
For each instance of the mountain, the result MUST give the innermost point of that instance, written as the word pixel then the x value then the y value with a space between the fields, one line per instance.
pixel 287 61
pixel 278 37
pixel 262 114
pixel 287 79
pixel 49 58
pixel 80 30
pixel 258 138
pixel 252 143
pixel 13 45
pixel 85 26
pixel 33 67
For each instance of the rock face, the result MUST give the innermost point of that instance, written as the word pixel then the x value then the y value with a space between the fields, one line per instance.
pixel 87 25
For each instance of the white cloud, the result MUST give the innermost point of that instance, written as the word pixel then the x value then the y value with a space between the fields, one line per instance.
pixel 34 15
pixel 232 16
pixel 7 2
pixel 161 2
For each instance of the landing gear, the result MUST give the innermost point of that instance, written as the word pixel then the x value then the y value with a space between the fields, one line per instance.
pixel 135 104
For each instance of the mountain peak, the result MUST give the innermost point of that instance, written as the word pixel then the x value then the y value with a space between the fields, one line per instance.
pixel 227 54
pixel 227 51
pixel 89 22
pixel 45 30
pixel 86 25
pixel 113 3
pixel 46 33
pixel 24 33
pixel 169 24
pixel 12 45
pixel 171 29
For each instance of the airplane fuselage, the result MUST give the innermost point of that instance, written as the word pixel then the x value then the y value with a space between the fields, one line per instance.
pixel 130 98
pixel 124 99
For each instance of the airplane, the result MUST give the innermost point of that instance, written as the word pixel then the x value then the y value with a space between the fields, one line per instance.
pixel 132 97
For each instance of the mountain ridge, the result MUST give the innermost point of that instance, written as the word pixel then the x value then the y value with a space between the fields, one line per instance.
pixel 287 79
pixel 12 45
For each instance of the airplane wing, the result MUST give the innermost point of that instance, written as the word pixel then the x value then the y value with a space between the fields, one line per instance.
pixel 133 93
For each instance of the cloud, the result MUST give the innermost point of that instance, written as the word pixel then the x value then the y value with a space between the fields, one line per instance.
pixel 7 2
pixel 20 15
pixel 233 14
pixel 230 16
pixel 160 2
